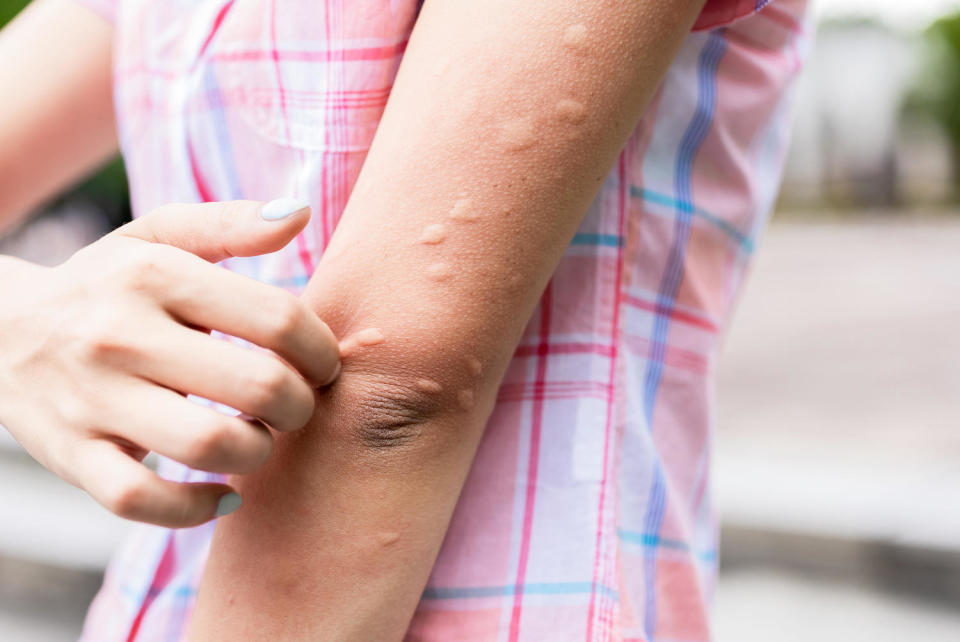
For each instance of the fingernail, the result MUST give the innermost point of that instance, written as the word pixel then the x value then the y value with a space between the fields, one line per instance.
pixel 333 377
pixel 281 208
pixel 228 503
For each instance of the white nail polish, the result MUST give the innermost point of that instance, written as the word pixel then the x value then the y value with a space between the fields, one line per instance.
pixel 228 503
pixel 281 208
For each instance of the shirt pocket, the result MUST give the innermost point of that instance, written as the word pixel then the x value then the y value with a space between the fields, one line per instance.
pixel 304 75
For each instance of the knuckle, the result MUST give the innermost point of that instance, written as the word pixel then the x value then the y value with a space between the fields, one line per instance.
pixel 212 444
pixel 269 386
pixel 126 500
pixel 230 445
pixel 105 339
pixel 102 345
pixel 286 318
pixel 146 270
pixel 141 275
pixel 74 411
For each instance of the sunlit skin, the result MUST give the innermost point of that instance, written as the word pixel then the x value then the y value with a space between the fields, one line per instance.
pixel 385 456
pixel 570 111
pixel 433 234
pixel 575 38
pixel 463 210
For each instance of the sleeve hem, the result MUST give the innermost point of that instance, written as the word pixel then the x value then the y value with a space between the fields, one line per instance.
pixel 719 13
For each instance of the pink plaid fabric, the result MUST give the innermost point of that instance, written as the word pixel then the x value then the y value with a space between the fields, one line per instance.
pixel 587 512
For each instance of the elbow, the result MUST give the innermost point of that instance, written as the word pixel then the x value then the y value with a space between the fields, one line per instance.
pixel 401 413
pixel 388 415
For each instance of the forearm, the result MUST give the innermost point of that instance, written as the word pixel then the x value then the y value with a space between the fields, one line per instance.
pixel 504 119
pixel 56 118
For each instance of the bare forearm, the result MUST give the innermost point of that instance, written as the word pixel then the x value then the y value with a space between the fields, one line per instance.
pixel 56 118
pixel 505 118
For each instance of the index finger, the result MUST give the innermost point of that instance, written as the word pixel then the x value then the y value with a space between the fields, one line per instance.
pixel 211 297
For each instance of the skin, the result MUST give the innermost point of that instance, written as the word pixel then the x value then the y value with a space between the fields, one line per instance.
pixel 56 119
pixel 99 353
pixel 341 526
pixel 122 326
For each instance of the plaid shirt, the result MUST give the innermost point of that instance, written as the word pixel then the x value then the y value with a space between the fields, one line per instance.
pixel 587 512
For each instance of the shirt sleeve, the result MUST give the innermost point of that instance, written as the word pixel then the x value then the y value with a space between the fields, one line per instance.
pixel 717 13
pixel 106 8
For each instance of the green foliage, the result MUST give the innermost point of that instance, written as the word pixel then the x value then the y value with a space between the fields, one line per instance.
pixel 108 190
pixel 10 8
pixel 937 93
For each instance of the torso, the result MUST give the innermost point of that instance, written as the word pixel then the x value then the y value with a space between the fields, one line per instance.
pixel 587 512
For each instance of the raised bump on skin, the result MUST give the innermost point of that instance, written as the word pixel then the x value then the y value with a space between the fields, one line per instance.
pixel 439 271
pixel 388 538
pixel 463 210
pixel 441 67
pixel 433 234
pixel 476 367
pixel 365 338
pixel 465 399
pixel 518 134
pixel 570 111
pixel 575 37
pixel 429 386
pixel 369 337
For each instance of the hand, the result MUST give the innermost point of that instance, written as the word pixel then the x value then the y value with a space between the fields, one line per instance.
pixel 97 355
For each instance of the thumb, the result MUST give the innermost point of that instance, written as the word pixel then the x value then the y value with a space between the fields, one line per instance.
pixel 217 231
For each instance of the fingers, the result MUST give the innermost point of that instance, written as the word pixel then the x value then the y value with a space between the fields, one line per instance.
pixel 195 435
pixel 214 298
pixel 129 489
pixel 217 231
pixel 255 383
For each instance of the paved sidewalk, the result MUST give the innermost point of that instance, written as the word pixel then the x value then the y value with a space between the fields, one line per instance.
pixel 839 389
pixel 838 442
pixel 762 605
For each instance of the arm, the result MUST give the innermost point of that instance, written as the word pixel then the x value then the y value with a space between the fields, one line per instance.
pixel 56 117
pixel 504 119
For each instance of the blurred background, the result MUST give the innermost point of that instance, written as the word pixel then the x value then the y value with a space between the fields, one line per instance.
pixel 838 450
